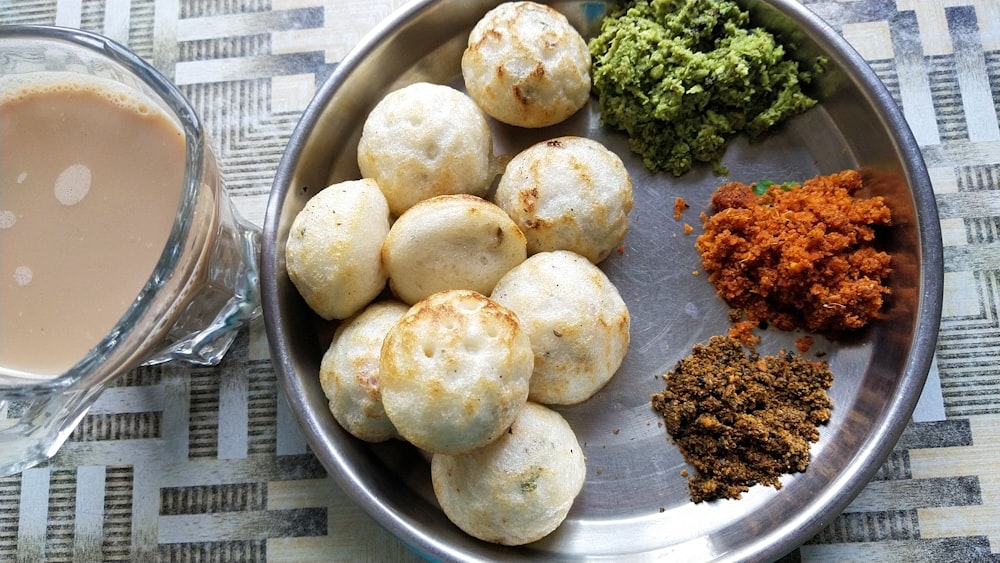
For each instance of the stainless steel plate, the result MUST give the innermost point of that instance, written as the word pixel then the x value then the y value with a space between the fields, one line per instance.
pixel 635 503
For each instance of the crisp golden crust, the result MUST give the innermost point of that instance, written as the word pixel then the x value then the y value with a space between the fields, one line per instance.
pixel 526 65
pixel 349 371
pixel 568 193
pixel 517 489
pixel 454 371
pixel 799 257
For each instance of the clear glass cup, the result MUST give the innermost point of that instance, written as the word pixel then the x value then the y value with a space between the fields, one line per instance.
pixel 205 284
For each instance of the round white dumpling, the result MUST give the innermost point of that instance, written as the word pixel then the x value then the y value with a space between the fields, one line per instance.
pixel 577 322
pixel 349 375
pixel 425 140
pixel 454 371
pixel 525 65
pixel 333 252
pixel 569 193
pixel 451 242
pixel 517 489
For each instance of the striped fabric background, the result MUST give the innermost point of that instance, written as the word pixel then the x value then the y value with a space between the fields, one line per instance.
pixel 207 465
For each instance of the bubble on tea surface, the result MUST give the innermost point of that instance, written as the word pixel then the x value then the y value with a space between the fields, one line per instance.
pixel 7 219
pixel 22 177
pixel 23 275
pixel 73 184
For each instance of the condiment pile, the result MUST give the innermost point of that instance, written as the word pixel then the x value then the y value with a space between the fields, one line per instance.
pixel 741 419
pixel 795 257
pixel 493 308
pixel 798 257
pixel 683 77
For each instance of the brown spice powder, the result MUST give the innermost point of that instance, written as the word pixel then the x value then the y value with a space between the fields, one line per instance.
pixel 741 419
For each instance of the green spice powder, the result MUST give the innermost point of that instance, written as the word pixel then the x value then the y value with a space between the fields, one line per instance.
pixel 682 77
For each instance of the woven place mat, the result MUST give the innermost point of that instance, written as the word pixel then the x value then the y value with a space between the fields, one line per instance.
pixel 207 464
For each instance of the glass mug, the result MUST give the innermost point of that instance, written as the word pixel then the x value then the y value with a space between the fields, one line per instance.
pixel 203 288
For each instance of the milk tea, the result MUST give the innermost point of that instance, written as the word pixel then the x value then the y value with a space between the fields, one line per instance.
pixel 91 176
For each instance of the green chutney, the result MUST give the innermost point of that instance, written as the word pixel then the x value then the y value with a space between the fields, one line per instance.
pixel 683 77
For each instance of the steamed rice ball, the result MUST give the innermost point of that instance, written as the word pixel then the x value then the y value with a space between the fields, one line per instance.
pixel 568 193
pixel 517 489
pixel 454 371
pixel 525 65
pixel 451 242
pixel 349 371
pixel 333 252
pixel 577 321
pixel 425 140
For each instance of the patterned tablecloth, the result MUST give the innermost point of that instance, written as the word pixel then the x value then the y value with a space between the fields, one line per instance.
pixel 207 464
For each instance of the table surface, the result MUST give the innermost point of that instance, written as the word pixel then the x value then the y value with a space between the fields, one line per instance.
pixel 176 463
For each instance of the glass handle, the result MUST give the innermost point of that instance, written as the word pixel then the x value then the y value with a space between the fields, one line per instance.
pixel 228 299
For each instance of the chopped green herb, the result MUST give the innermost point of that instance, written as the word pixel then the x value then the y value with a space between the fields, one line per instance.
pixel 530 482
pixel 760 188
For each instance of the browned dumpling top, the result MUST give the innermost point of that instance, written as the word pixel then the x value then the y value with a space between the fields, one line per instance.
pixel 349 371
pixel 568 193
pixel 454 371
pixel 525 65
pixel 451 242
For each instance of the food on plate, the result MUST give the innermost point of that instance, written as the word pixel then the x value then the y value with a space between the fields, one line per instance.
pixel 517 489
pixel 568 193
pixel 333 252
pixel 454 371
pixel 742 419
pixel 679 206
pixel 525 65
pixel 577 322
pixel 425 140
pixel 349 371
pixel 451 242
pixel 799 256
pixel 682 77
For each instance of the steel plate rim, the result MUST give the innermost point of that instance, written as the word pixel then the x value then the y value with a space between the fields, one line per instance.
pixel 822 508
